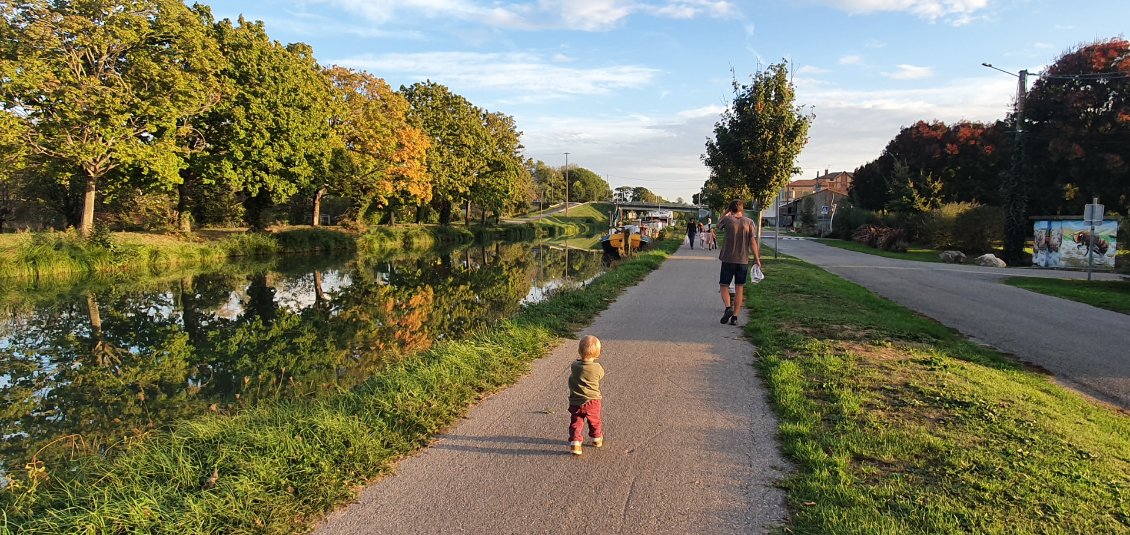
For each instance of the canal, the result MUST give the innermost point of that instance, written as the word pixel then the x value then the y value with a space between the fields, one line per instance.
pixel 89 368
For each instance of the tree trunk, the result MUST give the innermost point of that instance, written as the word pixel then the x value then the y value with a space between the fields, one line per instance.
pixel 445 212
pixel 484 218
pixel 87 224
pixel 184 219
pixel 318 206
pixel 467 213
pixel 254 206
pixel 420 213
pixel 320 301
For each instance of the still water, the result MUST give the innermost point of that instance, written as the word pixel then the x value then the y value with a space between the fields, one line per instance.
pixel 86 368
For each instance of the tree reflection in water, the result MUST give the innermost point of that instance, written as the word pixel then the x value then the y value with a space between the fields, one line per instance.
pixel 98 367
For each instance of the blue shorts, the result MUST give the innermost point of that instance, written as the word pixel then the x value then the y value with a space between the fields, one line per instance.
pixel 733 272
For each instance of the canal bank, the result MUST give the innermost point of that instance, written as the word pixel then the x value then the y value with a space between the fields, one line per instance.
pixel 278 465
pixel 689 435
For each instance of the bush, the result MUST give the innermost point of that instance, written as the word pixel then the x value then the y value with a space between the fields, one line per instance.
pixel 848 218
pixel 938 225
pixel 885 238
pixel 979 229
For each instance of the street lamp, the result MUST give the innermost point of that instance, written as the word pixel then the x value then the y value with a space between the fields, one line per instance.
pixel 1015 192
pixel 566 184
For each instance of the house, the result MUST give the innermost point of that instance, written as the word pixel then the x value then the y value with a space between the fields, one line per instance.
pixel 840 180
pixel 824 204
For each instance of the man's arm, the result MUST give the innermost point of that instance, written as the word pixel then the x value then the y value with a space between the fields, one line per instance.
pixel 755 246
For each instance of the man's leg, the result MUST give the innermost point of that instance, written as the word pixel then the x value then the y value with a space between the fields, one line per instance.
pixel 739 297
pixel 724 291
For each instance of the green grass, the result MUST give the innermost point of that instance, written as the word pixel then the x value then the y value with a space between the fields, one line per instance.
pixel 279 467
pixel 896 424
pixel 916 254
pixel 1111 295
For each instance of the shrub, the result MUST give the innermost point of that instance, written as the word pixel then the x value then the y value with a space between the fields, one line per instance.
pixel 848 218
pixel 979 229
pixel 938 225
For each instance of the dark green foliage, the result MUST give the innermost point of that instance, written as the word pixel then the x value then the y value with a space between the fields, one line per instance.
pixel 979 230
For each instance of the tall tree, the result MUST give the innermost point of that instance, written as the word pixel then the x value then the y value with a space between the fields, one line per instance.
pixel 106 84
pixel 503 177
pixel 585 185
pixel 1077 126
pixel 758 138
pixel 383 159
pixel 271 136
pixel 455 130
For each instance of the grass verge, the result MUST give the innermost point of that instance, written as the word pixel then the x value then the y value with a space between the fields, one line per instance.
pixel 899 425
pixel 918 255
pixel 279 467
pixel 1111 295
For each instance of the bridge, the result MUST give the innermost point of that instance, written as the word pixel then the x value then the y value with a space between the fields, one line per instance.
pixel 649 206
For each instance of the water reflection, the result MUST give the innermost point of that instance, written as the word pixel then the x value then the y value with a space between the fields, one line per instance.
pixel 89 369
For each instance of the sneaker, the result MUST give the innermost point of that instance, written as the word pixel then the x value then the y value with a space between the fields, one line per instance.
pixel 598 442
pixel 575 448
pixel 733 320
pixel 729 313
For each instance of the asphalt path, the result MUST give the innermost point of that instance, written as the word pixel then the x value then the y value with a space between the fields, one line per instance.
pixel 689 436
pixel 1083 347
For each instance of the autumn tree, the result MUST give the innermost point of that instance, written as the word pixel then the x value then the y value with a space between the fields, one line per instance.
pixel 382 158
pixel 758 138
pixel 456 132
pixel 1077 128
pixel 105 84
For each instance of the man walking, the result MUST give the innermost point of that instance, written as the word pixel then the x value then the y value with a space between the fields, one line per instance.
pixel 740 240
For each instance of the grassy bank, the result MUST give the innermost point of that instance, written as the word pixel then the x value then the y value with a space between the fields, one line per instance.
pixel 279 467
pixel 1111 295
pixel 897 424
pixel 916 254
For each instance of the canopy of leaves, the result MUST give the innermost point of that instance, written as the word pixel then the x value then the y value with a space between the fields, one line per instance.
pixel 757 140
pixel 1077 130
pixel 585 185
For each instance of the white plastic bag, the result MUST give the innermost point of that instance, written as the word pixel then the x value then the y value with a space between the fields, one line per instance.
pixel 755 274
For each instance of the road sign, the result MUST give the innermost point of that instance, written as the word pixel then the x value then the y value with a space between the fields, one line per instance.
pixel 824 210
pixel 1093 214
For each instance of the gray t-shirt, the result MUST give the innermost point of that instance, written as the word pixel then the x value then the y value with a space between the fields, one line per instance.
pixel 740 232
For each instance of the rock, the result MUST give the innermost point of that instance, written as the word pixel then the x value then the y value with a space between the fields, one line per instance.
pixel 952 257
pixel 989 260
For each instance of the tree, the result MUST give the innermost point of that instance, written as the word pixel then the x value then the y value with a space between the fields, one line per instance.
pixel 503 178
pixel 271 136
pixel 808 212
pixel 548 182
pixel 456 132
pixel 382 159
pixel 106 84
pixel 757 140
pixel 585 186
pixel 644 195
pixel 1077 123
pixel 623 194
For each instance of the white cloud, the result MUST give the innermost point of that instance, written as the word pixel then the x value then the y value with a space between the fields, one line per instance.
pixel 586 15
pixel 526 75
pixel 961 11
pixel 811 69
pixel 851 60
pixel 910 72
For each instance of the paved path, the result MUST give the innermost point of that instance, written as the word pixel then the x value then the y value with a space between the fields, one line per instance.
pixel 1084 347
pixel 690 444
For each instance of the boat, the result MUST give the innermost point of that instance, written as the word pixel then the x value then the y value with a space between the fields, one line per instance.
pixel 613 243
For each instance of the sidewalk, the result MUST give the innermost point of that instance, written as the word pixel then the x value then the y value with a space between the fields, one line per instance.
pixel 689 436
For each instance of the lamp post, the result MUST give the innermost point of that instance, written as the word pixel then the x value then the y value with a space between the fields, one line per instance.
pixel 566 184
pixel 1015 188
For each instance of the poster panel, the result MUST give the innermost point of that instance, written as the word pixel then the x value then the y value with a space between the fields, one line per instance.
pixel 1064 244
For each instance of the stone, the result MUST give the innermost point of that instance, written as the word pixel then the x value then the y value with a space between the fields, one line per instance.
pixel 952 257
pixel 989 260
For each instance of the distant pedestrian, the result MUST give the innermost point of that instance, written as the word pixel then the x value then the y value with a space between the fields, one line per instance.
pixel 711 237
pixel 584 395
pixel 692 228
pixel 740 242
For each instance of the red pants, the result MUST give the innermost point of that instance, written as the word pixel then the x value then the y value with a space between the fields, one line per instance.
pixel 577 416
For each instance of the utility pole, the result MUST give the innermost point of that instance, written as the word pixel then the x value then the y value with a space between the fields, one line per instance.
pixel 566 184
pixel 1016 187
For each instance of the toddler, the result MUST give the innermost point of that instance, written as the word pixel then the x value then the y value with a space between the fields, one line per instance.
pixel 584 395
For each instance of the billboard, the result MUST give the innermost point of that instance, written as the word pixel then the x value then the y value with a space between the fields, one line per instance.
pixel 1064 244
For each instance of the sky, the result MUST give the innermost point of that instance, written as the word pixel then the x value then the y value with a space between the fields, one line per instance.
pixel 631 89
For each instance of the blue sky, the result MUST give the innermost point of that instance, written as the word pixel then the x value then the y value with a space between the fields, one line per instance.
pixel 632 88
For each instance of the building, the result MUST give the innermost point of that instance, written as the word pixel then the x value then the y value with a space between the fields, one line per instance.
pixel 824 204
pixel 840 181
